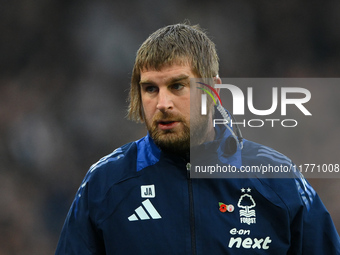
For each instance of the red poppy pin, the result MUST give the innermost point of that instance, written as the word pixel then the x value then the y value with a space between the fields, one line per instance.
pixel 226 208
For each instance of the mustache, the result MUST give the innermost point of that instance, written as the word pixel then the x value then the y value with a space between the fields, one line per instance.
pixel 167 116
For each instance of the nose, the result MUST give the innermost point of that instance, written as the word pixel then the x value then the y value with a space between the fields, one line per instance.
pixel 165 102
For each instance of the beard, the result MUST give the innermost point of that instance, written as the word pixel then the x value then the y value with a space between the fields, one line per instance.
pixel 179 140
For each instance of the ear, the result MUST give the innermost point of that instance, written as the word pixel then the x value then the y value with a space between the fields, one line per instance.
pixel 217 80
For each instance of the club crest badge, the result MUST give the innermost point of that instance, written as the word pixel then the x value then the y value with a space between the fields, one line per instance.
pixel 246 203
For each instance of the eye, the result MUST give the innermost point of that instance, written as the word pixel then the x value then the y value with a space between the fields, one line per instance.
pixel 150 89
pixel 177 86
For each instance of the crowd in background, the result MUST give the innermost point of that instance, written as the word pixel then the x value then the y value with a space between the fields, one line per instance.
pixel 65 69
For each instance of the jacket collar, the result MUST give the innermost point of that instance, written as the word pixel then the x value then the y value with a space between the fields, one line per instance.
pixel 149 154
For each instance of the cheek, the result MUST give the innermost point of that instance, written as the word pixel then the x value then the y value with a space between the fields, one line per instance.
pixel 185 107
pixel 195 106
pixel 149 108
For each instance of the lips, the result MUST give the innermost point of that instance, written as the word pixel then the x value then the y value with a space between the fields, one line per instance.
pixel 167 124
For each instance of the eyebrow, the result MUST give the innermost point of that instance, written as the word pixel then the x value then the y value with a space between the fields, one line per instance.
pixel 171 80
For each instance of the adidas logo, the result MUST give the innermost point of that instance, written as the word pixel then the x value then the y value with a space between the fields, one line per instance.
pixel 145 215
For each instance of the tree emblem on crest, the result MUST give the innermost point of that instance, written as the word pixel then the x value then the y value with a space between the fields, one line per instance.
pixel 246 202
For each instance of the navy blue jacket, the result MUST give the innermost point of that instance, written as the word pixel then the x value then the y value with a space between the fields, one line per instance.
pixel 139 200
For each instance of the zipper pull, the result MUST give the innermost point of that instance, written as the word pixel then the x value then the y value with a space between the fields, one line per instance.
pixel 188 170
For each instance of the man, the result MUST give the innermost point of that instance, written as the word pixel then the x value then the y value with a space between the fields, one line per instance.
pixel 141 200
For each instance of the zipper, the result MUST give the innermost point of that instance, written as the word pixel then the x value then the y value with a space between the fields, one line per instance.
pixel 191 211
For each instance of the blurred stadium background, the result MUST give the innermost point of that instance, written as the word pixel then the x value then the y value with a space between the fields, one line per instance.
pixel 64 78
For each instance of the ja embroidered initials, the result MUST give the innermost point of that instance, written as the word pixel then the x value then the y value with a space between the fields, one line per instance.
pixel 148 191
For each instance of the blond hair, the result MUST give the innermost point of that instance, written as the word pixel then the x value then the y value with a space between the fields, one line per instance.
pixel 180 43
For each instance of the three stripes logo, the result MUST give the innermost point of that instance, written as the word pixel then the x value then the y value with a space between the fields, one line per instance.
pixel 273 155
pixel 145 212
pixel 306 191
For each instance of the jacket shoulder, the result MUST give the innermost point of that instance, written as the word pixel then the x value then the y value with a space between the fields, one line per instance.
pixel 111 169
pixel 280 175
pixel 255 153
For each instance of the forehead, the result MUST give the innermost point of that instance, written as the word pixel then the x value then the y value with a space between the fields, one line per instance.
pixel 166 72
